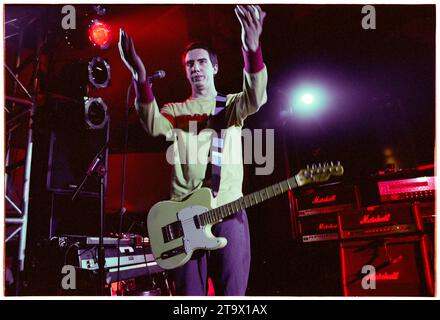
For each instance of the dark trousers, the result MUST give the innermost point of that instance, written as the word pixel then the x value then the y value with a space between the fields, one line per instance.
pixel 228 267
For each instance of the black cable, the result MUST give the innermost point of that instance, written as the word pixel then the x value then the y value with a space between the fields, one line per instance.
pixel 144 252
pixel 75 244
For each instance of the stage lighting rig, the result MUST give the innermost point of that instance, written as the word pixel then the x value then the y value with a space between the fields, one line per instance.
pixel 99 34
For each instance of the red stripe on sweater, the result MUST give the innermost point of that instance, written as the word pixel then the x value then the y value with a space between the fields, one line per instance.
pixel 170 118
pixel 182 121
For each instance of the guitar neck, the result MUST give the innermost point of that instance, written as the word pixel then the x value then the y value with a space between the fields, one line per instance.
pixel 224 211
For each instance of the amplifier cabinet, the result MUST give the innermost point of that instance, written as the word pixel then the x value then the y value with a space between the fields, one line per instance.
pixel 326 199
pixel 396 266
pixel 382 220
pixel 317 209
pixel 323 227
pixel 408 189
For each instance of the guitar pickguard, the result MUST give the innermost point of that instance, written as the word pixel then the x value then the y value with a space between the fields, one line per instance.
pixel 197 237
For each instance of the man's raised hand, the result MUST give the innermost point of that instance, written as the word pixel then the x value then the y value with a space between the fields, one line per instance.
pixel 251 18
pixel 130 58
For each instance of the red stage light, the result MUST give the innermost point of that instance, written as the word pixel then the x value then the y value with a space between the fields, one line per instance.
pixel 99 34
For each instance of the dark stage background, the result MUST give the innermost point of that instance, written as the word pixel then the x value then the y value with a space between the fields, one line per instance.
pixel 380 111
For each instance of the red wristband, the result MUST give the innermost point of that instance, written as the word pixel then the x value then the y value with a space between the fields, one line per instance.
pixel 253 61
pixel 144 93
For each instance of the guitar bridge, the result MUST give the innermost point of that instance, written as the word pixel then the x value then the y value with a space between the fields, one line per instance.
pixel 172 231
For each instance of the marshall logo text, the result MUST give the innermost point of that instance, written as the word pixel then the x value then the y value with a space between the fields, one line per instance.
pixel 367 219
pixel 327 226
pixel 326 199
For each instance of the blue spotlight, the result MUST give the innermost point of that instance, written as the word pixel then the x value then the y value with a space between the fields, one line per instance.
pixel 307 98
pixel 308 101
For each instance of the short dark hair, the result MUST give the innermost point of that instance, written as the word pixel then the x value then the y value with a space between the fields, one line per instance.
pixel 200 45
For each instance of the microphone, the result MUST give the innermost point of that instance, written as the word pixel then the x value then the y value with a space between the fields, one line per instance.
pixel 93 164
pixel 159 74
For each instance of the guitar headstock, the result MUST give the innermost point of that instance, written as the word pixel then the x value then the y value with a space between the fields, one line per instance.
pixel 318 173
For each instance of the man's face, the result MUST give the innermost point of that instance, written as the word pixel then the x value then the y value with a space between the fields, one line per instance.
pixel 199 69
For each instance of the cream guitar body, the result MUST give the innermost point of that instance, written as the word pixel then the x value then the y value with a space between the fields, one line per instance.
pixel 165 220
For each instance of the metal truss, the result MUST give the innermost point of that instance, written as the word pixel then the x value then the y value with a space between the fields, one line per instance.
pixel 19 108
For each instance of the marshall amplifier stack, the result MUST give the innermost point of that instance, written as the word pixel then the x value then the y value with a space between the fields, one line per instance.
pixel 382 231
pixel 316 234
pixel 318 207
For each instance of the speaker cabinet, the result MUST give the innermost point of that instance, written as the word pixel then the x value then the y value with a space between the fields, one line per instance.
pixel 73 146
pixel 387 267
pixel 78 217
pixel 314 269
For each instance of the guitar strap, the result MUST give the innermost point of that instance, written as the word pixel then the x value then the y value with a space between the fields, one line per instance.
pixel 217 123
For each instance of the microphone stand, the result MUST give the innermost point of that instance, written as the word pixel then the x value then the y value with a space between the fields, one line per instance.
pixel 123 210
pixel 100 171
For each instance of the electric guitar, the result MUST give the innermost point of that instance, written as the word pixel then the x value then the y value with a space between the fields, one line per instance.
pixel 178 228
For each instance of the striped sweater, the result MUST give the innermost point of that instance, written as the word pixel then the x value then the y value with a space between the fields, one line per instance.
pixel 189 152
